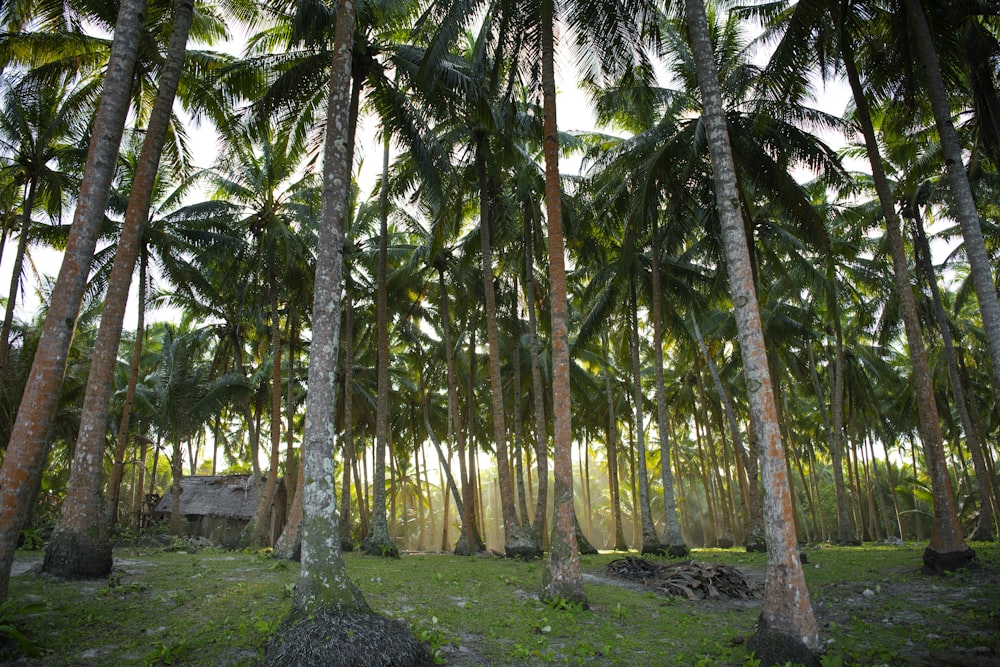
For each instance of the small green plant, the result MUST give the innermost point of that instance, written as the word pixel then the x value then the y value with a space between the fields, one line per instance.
pixel 167 654
pixel 434 637
pixel 10 630
pixel 562 604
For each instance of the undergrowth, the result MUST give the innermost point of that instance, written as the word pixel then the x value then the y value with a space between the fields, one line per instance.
pixel 213 607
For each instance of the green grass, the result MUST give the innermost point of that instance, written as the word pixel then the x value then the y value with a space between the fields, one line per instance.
pixel 219 608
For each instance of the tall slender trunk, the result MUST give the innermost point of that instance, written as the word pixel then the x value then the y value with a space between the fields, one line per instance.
pixel 537 390
pixel 323 581
pixel 347 446
pixel 470 541
pixel 118 466
pixel 787 627
pixel 257 531
pixel 517 540
pixel 846 533
pixel 378 542
pixel 980 264
pixel 561 578
pixel 947 548
pixel 984 482
pixel 20 475
pixel 755 532
pixel 614 486
pixel 673 540
pixel 18 268
pixel 650 541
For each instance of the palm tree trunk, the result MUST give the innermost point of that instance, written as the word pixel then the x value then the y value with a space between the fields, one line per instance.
pixel 755 538
pixel 537 390
pixel 650 541
pixel 21 472
pixel 256 533
pixel 289 544
pixel 469 541
pixel 561 578
pixel 980 264
pixel 378 542
pixel 18 269
pixel 673 540
pixel 787 627
pixel 947 548
pixel 118 467
pixel 984 482
pixel 348 432
pixel 614 487
pixel 323 581
pixel 517 541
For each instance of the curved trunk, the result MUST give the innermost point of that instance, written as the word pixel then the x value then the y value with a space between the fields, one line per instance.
pixel 289 544
pixel 947 548
pixel 323 582
pixel 378 542
pixel 118 466
pixel 980 264
pixel 984 482
pixel 21 472
pixel 673 540
pixel 561 578
pixel 755 538
pixel 846 534
pixel 15 276
pixel 787 627
pixel 176 475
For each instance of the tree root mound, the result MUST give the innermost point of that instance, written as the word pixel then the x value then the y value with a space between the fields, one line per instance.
pixel 692 579
pixel 939 563
pixel 77 556
pixel 331 639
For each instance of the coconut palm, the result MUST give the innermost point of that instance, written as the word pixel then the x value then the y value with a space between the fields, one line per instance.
pixel 80 543
pixel 21 470
pixel 40 132
pixel 787 626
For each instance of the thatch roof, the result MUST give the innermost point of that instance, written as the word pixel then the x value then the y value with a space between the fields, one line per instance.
pixel 229 496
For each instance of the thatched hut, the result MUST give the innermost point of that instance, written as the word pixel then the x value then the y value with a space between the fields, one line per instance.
pixel 219 507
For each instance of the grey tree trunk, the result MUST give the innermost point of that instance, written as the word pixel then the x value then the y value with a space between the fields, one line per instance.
pixel 787 627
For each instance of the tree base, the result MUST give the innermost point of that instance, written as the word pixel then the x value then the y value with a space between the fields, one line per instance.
pixel 983 532
pixel 523 551
pixel 849 543
pixel 346 545
pixel 386 548
pixel 773 648
pixel 677 550
pixel 939 563
pixel 583 544
pixel 654 549
pixel 463 548
pixel 327 638
pixel 77 556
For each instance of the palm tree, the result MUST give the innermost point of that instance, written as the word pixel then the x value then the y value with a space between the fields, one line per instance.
pixel 787 628
pixel 80 544
pixel 40 131
pixel 325 598
pixel 958 179
pixel 20 473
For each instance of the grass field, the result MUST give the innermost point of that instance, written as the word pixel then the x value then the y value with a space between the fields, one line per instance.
pixel 183 606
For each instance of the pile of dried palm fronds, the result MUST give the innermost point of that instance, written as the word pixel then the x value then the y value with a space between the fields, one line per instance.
pixel 690 578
